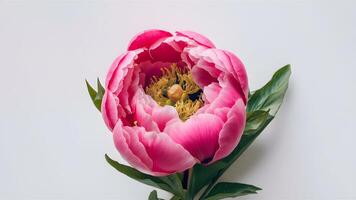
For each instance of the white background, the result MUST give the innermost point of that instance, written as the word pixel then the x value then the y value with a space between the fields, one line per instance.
pixel 53 140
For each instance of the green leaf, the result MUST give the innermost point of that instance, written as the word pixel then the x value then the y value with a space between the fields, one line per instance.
pixel 224 190
pixel 153 196
pixel 176 198
pixel 101 90
pixel 254 121
pixel 96 96
pixel 91 91
pixel 169 183
pixel 262 106
pixel 270 96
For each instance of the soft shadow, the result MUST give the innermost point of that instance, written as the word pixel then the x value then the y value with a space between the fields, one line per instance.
pixel 246 164
pixel 264 146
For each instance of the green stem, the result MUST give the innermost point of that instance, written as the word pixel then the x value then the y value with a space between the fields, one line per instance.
pixel 185 183
pixel 207 190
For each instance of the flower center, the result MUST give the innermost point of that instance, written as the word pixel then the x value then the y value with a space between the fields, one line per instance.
pixel 176 88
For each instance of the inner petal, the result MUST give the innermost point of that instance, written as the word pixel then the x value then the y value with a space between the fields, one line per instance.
pixel 176 88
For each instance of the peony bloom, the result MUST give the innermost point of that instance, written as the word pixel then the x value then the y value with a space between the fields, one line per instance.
pixel 174 100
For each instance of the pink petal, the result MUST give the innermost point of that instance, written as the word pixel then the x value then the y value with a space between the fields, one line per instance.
pixel 199 134
pixel 150 69
pixel 113 68
pixel 222 113
pixel 142 56
pixel 240 71
pixel 151 152
pixel 202 77
pixel 131 85
pixel 118 71
pixel 211 92
pixel 232 131
pixel 182 42
pixel 194 52
pixel 197 38
pixel 147 38
pixel 131 149
pixel 204 72
pixel 168 157
pixel 109 109
pixel 127 83
pixel 186 59
pixel 209 67
pixel 227 96
pixel 165 51
pixel 162 115
pixel 229 64
pixel 144 105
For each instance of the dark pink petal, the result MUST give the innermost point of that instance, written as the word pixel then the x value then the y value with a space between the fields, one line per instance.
pixel 182 42
pixel 150 70
pixel 201 77
pixel 168 157
pixel 109 110
pixel 147 38
pixel 143 55
pixel 131 149
pixel 165 51
pixel 232 131
pixel 200 39
pixel 199 134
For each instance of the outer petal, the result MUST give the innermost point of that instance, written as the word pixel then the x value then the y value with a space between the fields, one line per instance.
pixel 118 71
pixel 109 110
pixel 113 67
pixel 222 113
pixel 168 157
pixel 200 39
pixel 199 134
pixel 232 131
pixel 147 38
pixel 151 152
pixel 240 70
pixel 230 64
pixel 131 149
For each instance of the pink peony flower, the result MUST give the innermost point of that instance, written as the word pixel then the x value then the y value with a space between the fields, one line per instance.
pixel 174 100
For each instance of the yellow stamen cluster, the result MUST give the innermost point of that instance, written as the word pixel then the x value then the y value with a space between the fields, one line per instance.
pixel 176 88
